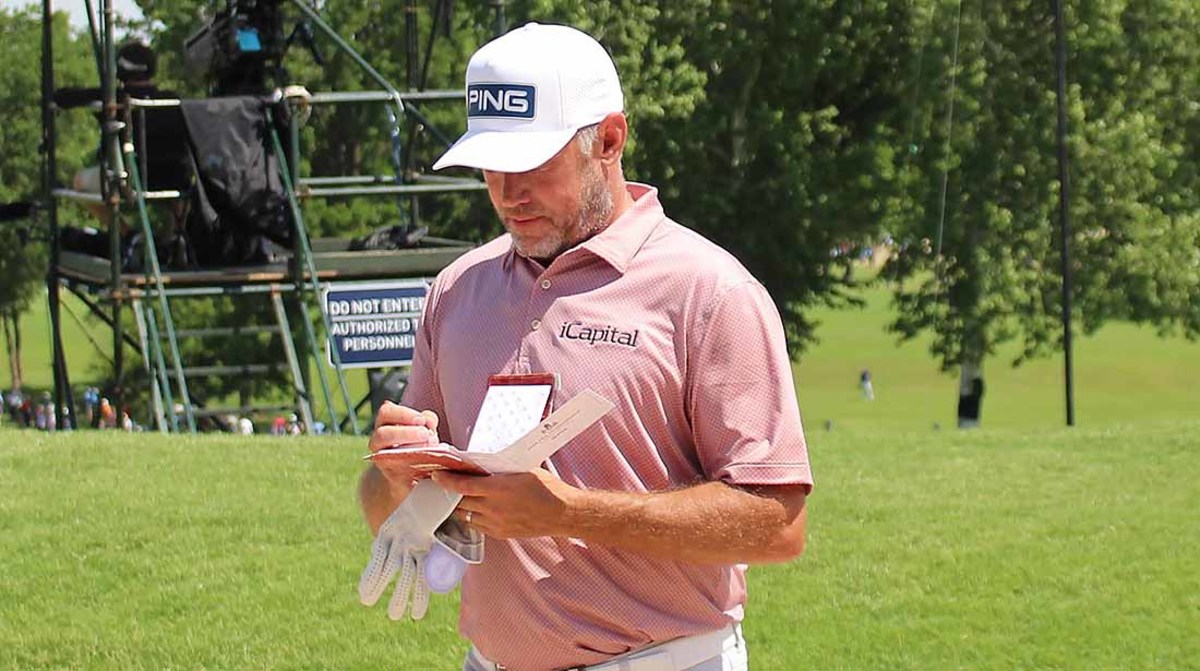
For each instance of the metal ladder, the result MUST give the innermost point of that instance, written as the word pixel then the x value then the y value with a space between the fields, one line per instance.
pixel 155 365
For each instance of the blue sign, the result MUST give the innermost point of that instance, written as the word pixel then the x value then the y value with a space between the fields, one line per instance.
pixel 374 324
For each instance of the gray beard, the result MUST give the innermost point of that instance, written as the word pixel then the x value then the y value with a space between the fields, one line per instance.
pixel 596 206
pixel 595 210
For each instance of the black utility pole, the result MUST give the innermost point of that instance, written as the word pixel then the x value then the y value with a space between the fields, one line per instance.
pixel 64 404
pixel 111 173
pixel 1064 204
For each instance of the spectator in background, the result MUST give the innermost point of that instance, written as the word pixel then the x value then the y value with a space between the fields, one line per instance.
pixel 14 407
pixel 864 382
pixel 26 412
pixel 47 410
pixel 245 427
pixel 163 131
pixel 91 399
pixel 107 416
pixel 39 417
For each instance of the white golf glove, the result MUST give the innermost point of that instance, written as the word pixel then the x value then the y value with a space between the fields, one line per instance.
pixel 401 545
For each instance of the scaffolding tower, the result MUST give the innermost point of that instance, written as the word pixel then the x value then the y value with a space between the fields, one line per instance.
pixel 153 294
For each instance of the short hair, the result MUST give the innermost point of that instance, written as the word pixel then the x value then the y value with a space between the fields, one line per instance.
pixel 136 60
pixel 586 136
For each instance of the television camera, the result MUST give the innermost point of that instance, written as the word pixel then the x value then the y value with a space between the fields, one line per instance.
pixel 241 50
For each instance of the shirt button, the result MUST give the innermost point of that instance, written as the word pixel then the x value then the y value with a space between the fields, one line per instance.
pixel 545 284
pixel 535 324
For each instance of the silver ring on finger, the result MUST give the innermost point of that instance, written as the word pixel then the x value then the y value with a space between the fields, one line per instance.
pixel 468 517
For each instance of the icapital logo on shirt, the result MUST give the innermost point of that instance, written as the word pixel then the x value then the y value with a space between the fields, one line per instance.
pixel 593 335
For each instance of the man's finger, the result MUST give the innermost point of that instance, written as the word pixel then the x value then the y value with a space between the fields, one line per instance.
pixel 467 485
pixel 431 420
pixel 391 435
pixel 394 413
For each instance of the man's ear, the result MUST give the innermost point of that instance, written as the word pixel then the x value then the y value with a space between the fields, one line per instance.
pixel 613 132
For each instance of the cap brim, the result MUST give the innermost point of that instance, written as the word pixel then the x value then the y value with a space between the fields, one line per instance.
pixel 505 151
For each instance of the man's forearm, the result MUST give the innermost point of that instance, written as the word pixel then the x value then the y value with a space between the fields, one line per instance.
pixel 377 497
pixel 710 523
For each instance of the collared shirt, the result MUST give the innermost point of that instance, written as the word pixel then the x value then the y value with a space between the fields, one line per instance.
pixel 690 347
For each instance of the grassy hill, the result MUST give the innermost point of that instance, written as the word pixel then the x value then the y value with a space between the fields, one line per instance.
pixel 1124 373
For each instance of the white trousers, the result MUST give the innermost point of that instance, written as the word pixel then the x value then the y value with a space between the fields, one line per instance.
pixel 723 650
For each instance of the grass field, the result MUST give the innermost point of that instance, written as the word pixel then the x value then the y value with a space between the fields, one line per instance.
pixel 999 549
pixel 1020 546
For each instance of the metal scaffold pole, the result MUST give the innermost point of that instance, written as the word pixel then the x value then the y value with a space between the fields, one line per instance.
pixel 64 402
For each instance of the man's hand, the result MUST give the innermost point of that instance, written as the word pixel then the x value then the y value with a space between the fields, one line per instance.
pixel 384 486
pixel 519 505
pixel 400 547
pixel 400 425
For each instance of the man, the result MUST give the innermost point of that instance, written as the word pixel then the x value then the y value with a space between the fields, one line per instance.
pixel 157 133
pixel 630 546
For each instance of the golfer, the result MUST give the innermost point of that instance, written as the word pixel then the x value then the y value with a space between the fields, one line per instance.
pixel 629 550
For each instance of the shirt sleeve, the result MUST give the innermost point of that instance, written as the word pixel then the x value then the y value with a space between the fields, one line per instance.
pixel 745 416
pixel 422 391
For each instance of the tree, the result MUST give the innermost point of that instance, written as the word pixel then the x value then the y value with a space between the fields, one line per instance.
pixel 982 264
pixel 769 127
pixel 22 248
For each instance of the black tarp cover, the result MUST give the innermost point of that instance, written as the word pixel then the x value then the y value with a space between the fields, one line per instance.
pixel 239 213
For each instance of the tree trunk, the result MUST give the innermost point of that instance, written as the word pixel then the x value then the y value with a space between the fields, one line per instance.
pixel 12 347
pixel 970 393
pixel 739 123
pixel 16 321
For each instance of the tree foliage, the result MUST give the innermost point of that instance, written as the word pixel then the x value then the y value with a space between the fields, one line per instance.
pixel 22 243
pixel 1133 118
pixel 765 125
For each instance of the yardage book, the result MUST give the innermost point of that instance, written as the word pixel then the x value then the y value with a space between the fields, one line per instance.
pixel 522 455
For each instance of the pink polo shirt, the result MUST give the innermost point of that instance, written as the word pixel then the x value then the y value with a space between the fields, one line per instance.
pixel 689 346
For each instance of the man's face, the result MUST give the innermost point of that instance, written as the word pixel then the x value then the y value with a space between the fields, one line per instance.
pixel 553 207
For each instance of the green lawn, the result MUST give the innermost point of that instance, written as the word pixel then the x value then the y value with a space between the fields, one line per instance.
pixel 1023 545
pixel 996 549
pixel 1122 374
pixel 80 330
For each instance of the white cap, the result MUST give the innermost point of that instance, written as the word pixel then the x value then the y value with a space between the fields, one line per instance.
pixel 528 92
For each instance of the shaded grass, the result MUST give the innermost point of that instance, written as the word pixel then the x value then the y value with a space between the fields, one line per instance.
pixel 994 549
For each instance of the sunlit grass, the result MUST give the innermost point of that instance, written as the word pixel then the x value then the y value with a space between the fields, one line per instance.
pixel 995 549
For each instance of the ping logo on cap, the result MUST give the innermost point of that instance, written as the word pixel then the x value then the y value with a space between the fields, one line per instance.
pixel 506 101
